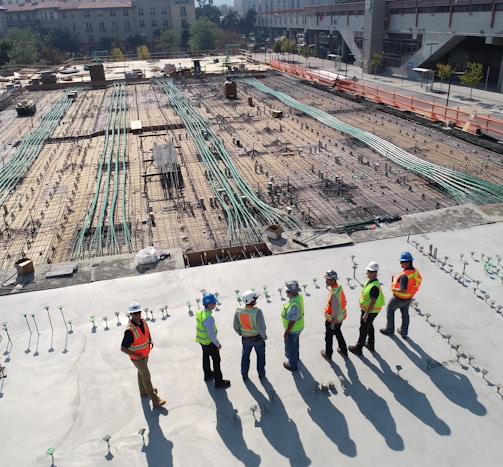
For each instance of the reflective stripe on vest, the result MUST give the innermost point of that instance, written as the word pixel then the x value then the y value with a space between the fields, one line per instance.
pixel 141 342
pixel 365 297
pixel 299 324
pixel 248 321
pixel 339 294
pixel 413 283
pixel 201 333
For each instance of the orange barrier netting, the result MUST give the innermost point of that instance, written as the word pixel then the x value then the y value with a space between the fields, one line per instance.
pixel 468 120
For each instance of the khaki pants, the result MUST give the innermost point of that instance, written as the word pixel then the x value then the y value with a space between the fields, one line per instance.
pixel 144 383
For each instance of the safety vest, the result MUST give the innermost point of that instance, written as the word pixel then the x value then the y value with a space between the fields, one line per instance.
pixel 365 297
pixel 339 293
pixel 141 341
pixel 413 283
pixel 248 321
pixel 201 333
pixel 299 324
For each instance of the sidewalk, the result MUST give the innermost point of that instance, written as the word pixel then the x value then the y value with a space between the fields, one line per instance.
pixel 484 102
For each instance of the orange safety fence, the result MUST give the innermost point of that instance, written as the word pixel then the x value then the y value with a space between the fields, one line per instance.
pixel 467 119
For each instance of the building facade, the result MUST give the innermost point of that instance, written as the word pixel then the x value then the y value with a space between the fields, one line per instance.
pixel 408 33
pixel 91 21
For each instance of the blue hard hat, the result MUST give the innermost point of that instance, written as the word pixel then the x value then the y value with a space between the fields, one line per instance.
pixel 406 256
pixel 209 298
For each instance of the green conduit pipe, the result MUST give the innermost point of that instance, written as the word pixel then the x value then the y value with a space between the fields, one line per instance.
pixel 462 187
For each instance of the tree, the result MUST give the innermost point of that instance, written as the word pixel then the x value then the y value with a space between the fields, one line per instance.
pixel 168 41
pixel 203 34
pixel 232 22
pixel 132 42
pixel 117 55
pixel 472 76
pixel 143 52
pixel 212 13
pixel 444 71
pixel 25 46
pixel 249 21
pixel 307 52
pixel 376 60
pixel 5 48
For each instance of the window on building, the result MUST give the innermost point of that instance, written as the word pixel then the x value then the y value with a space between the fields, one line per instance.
pixel 140 11
pixel 125 12
pixel 115 26
pixel 101 26
pixel 112 12
pixel 164 11
pixel 152 12
pixel 87 14
pixel 63 14
pixel 183 11
pixel 127 26
pixel 154 23
pixel 142 23
pixel 165 23
pixel 89 27
pixel 90 38
pixel 184 23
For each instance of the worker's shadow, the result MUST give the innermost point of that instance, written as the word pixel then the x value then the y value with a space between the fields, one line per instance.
pixel 279 429
pixel 158 450
pixel 453 384
pixel 374 408
pixel 230 429
pixel 409 397
pixel 323 412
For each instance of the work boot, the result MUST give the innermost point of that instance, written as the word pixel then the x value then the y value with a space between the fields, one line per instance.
pixel 145 393
pixel 325 356
pixel 355 349
pixel 159 402
pixel 344 355
pixel 223 383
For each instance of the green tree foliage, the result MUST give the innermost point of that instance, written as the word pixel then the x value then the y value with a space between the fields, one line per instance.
pixel 210 12
pixel 168 41
pixel 5 48
pixel 375 61
pixel 232 22
pixel 249 21
pixel 307 52
pixel 444 71
pixel 132 42
pixel 25 46
pixel 203 34
pixel 143 52
pixel 472 76
pixel 117 55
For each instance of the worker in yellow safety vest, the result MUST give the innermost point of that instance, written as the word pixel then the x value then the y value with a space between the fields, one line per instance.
pixel 371 302
pixel 206 335
pixel 292 316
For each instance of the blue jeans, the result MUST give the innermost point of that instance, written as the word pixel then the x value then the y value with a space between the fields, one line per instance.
pixel 292 350
pixel 249 343
pixel 394 304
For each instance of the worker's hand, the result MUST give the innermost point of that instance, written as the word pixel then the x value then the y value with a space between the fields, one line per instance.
pixel 285 335
pixel 219 346
pixel 332 325
pixel 365 316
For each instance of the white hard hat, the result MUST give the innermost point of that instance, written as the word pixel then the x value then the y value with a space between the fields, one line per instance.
pixel 134 307
pixel 373 266
pixel 249 296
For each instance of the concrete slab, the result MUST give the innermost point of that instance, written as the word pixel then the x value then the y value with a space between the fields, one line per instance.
pixel 431 399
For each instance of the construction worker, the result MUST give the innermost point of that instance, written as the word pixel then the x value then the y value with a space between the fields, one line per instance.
pixel 292 316
pixel 371 302
pixel 206 335
pixel 137 343
pixel 250 325
pixel 335 314
pixel 403 287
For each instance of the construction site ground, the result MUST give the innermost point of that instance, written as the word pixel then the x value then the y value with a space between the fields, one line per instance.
pixel 319 175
